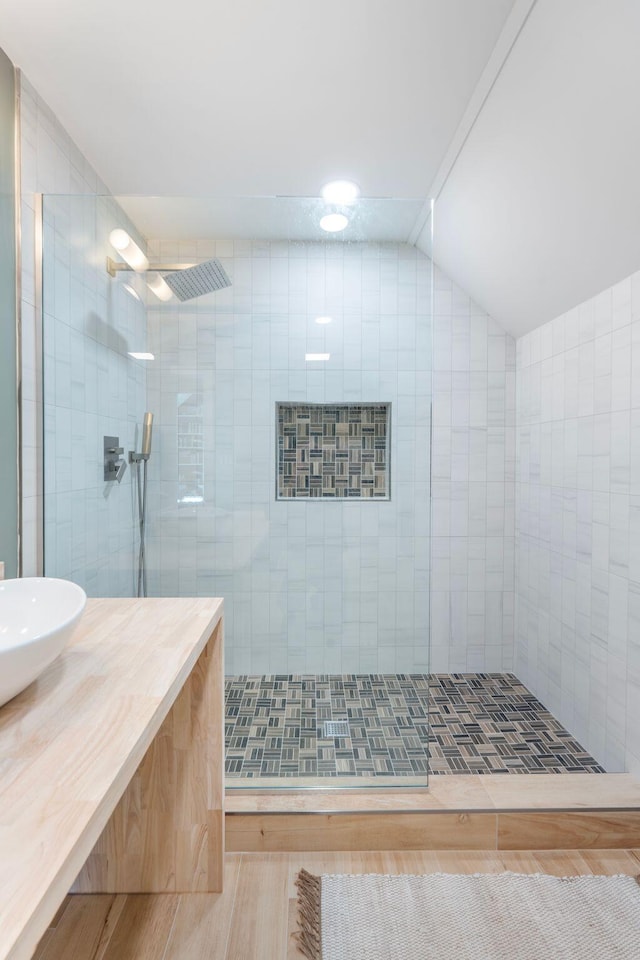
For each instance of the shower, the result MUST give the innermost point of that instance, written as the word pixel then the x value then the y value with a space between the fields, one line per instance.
pixel 186 282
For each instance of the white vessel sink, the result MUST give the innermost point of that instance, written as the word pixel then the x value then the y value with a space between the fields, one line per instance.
pixel 37 617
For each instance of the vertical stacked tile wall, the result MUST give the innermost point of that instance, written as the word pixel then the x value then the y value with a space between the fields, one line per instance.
pixel 472 582
pixel 578 521
pixel 91 386
pixel 310 586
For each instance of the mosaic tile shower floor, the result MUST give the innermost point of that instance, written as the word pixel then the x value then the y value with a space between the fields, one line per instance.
pixel 476 723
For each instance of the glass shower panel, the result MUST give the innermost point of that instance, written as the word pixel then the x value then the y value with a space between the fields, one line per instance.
pixel 293 413
pixel 290 468
pixel 92 388
pixel 8 384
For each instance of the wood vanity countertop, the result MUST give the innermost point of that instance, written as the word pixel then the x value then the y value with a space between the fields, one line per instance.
pixel 71 742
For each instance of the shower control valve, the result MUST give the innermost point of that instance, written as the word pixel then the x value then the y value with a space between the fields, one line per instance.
pixel 114 463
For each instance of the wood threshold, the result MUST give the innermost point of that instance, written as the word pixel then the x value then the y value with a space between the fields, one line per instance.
pixel 471 793
pixel 520 812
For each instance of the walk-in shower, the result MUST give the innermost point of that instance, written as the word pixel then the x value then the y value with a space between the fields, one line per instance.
pixel 333 449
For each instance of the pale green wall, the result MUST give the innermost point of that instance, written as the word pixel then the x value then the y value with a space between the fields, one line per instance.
pixel 8 392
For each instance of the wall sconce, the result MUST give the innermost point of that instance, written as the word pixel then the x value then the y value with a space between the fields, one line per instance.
pixel 134 259
pixel 128 250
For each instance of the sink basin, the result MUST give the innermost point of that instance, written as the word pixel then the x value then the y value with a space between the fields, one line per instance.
pixel 37 617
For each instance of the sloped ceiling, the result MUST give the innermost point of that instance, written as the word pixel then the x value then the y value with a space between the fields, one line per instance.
pixel 254 98
pixel 541 210
pixel 538 186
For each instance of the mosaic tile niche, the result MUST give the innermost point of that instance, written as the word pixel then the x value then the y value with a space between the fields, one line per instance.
pixel 329 451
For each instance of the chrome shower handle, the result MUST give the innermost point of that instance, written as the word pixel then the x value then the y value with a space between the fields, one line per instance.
pixel 116 469
pixel 119 467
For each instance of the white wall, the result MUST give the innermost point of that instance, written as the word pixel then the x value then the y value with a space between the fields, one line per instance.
pixel 50 163
pixel 541 208
pixel 308 586
pixel 387 351
pixel 578 521
pixel 472 588
pixel 91 387
pixel 330 586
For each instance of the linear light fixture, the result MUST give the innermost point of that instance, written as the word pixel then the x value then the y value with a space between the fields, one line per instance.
pixel 128 250
pixel 323 320
pixel 316 357
pixel 141 356
pixel 160 288
pixel 134 259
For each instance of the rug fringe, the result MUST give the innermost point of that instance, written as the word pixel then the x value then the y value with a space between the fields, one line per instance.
pixel 308 935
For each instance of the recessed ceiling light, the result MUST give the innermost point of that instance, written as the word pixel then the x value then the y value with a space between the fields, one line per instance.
pixel 334 222
pixel 129 289
pixel 141 356
pixel 323 320
pixel 313 357
pixel 340 191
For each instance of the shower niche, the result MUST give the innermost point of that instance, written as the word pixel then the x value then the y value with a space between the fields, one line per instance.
pixel 333 451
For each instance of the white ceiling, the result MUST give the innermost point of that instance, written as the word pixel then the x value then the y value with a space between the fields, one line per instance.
pixel 533 150
pixel 267 218
pixel 542 208
pixel 255 98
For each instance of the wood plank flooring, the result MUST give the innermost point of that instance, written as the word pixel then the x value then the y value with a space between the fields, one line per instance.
pixel 254 917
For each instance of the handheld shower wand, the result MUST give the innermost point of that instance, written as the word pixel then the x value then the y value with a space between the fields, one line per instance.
pixel 143 458
pixel 147 430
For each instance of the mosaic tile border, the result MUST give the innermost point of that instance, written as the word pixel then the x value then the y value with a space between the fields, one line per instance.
pixel 333 451
pixel 472 723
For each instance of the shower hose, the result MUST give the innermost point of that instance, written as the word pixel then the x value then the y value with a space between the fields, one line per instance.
pixel 142 513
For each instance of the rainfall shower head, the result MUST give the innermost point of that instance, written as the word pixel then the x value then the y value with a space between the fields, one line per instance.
pixel 184 280
pixel 196 281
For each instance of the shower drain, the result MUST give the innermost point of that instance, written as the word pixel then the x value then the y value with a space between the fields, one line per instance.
pixel 336 728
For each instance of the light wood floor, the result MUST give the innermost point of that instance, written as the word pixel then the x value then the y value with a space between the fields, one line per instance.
pixel 254 917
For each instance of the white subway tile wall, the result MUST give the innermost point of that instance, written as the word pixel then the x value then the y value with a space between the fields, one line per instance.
pixel 304 590
pixel 50 162
pixel 473 471
pixel 578 521
pixel 310 587
pixel 91 387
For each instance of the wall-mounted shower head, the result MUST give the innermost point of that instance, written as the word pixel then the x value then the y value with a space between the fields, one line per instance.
pixel 197 281
pixel 186 281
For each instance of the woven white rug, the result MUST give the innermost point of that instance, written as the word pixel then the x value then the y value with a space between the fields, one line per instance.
pixel 507 916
